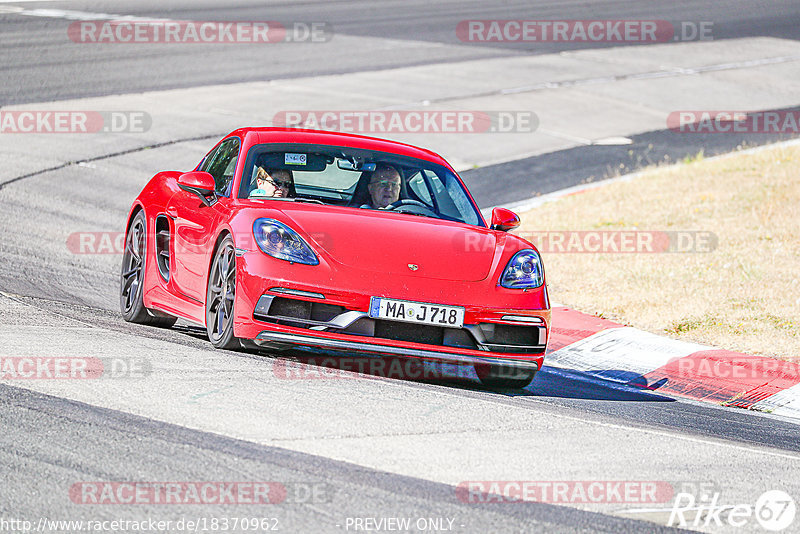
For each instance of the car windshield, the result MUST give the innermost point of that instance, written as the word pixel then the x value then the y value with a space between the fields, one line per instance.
pixel 358 179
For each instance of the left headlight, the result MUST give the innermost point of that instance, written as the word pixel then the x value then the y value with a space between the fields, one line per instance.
pixel 523 271
pixel 280 241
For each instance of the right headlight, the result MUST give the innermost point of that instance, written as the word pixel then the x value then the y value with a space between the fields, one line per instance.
pixel 280 241
pixel 524 271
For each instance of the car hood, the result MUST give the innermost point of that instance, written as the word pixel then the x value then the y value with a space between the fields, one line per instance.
pixel 395 243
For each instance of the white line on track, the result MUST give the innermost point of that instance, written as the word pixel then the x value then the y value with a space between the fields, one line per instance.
pixel 75 15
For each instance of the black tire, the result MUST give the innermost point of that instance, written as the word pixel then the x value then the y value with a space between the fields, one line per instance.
pixel 131 279
pixel 220 296
pixel 504 376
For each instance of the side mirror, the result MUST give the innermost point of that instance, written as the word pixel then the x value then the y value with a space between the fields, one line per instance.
pixel 201 184
pixel 504 220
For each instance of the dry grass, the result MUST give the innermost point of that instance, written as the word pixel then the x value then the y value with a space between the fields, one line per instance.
pixel 743 296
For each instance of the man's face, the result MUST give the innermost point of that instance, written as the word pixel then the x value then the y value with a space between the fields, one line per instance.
pixel 384 187
pixel 276 184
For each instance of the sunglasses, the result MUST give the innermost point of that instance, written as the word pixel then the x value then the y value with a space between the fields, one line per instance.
pixel 282 185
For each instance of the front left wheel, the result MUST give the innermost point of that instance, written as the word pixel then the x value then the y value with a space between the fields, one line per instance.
pixel 220 296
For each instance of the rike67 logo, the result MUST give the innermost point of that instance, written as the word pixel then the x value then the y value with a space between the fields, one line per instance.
pixel 774 511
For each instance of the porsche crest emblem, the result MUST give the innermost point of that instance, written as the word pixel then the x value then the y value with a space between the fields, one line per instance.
pixel 413 266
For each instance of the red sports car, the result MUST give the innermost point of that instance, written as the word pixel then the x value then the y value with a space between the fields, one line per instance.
pixel 340 244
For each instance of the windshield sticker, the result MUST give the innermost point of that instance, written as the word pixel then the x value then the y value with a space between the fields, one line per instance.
pixel 294 159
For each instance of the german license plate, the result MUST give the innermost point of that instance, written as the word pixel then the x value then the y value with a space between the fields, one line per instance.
pixel 416 312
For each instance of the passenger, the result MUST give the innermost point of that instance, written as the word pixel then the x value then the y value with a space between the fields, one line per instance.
pixel 384 186
pixel 276 183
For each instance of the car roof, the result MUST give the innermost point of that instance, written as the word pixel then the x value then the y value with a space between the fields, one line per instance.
pixel 319 137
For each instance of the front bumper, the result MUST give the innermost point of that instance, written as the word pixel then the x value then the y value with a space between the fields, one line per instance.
pixel 301 325
pixel 337 320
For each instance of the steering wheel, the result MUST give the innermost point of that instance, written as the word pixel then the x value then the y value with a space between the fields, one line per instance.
pixel 406 202
pixel 412 206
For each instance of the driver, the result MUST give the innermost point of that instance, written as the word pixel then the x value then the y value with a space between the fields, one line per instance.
pixel 384 186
